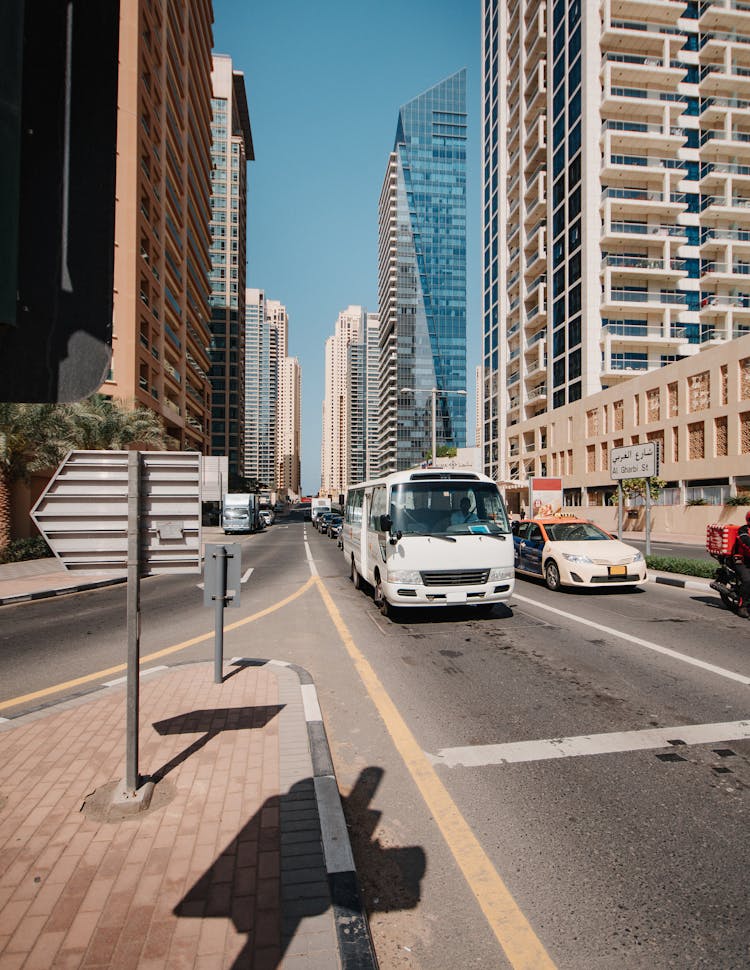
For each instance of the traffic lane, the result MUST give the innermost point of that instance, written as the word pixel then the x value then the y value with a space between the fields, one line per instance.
pixel 558 830
pixel 622 860
pixel 464 661
pixel 693 623
pixel 52 641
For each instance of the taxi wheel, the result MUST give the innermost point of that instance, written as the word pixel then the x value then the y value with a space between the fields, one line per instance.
pixel 356 582
pixel 552 575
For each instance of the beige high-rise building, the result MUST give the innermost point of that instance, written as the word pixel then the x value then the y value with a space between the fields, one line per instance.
pixel 289 428
pixel 231 150
pixel 162 215
pixel 616 205
pixel 350 407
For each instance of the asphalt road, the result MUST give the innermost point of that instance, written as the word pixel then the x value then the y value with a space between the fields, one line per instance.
pixel 622 847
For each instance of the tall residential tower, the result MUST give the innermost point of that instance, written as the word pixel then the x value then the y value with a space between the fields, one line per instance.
pixel 422 277
pixel 350 407
pixel 231 150
pixel 616 200
pixel 162 215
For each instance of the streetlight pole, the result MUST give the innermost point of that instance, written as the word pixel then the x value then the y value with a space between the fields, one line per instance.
pixel 434 391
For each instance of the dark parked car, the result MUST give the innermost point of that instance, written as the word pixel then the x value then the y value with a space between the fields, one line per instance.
pixel 321 523
pixel 334 527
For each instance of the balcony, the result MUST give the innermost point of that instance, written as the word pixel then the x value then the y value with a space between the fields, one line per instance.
pixel 620 230
pixel 645 267
pixel 615 165
pixel 537 394
pixel 631 332
pixel 714 272
pixel 730 80
pixel 717 143
pixel 726 14
pixel 629 135
pixel 628 69
pixel 644 299
pixel 638 201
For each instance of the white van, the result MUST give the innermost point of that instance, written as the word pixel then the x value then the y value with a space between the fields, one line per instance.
pixel 430 537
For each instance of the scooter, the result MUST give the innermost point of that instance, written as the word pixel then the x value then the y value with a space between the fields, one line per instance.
pixel 726 582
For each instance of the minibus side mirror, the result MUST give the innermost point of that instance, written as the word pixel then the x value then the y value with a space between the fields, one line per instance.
pixel 385 523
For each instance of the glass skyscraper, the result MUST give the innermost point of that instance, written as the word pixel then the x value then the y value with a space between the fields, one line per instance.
pixel 422 278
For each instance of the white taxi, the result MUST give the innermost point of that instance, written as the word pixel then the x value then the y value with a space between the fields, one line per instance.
pixel 567 551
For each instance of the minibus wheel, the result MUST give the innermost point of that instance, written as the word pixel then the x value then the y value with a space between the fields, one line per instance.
pixel 355 577
pixel 380 601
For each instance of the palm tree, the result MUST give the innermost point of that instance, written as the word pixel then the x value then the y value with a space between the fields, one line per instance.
pixel 32 437
pixel 100 423
pixel 37 436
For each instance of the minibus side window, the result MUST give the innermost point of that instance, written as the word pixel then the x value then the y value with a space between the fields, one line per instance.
pixel 377 508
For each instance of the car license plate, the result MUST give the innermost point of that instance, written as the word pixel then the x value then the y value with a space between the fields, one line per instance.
pixel 455 597
pixel 618 570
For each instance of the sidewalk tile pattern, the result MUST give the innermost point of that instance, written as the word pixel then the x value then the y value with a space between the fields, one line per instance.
pixel 224 870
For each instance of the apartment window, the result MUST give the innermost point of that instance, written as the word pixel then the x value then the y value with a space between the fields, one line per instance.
pixel 675 444
pixel 696 441
pixel 745 379
pixel 653 405
pixel 605 457
pixel 721 437
pixel 590 458
pixel 699 391
pixel 672 390
pixel 618 413
pixel 745 433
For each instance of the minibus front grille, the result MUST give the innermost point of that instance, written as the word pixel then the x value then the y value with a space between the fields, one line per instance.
pixel 455 577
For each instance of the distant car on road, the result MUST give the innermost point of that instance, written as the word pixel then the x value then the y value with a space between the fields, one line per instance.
pixel 568 551
pixel 321 523
pixel 267 516
pixel 335 525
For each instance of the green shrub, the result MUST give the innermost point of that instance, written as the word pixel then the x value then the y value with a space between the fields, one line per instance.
pixel 697 501
pixel 703 568
pixel 738 500
pixel 18 550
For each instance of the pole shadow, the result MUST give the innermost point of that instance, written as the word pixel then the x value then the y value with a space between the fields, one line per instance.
pixel 272 876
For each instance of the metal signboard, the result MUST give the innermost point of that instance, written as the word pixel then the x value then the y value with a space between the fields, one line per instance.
pixel 227 587
pixel 634 461
pixel 83 512
pixel 214 477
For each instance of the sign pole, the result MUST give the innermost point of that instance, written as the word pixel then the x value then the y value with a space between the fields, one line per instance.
pixel 619 510
pixel 648 516
pixel 434 426
pixel 134 620
pixel 220 595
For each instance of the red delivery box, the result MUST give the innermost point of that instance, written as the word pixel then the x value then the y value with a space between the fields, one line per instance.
pixel 720 539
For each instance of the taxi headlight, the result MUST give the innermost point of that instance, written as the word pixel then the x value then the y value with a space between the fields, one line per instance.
pixel 572 557
pixel 500 573
pixel 637 558
pixel 411 576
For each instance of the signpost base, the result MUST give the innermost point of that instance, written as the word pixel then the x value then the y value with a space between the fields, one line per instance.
pixel 132 801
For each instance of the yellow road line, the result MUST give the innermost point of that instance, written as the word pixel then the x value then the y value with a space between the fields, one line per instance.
pixel 522 947
pixel 88 678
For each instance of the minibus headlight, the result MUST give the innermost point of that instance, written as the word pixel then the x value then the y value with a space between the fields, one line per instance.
pixel 500 573
pixel 412 576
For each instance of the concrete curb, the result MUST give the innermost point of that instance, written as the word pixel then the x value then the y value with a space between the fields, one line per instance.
pixel 669 579
pixel 60 591
pixel 352 928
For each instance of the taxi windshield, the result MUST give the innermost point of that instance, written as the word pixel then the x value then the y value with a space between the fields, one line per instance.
pixel 448 508
pixel 574 531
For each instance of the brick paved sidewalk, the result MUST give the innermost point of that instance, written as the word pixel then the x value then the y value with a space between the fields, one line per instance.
pixel 226 868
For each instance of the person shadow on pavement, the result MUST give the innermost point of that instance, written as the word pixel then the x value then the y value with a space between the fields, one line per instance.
pixel 272 877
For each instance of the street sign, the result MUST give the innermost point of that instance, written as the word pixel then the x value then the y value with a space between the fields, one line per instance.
pixel 634 461
pixel 83 512
pixel 214 477
pixel 226 586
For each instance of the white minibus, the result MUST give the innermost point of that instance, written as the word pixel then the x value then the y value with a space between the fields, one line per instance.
pixel 429 537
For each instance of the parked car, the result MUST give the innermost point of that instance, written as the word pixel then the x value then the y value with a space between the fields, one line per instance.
pixel 321 523
pixel 334 527
pixel 568 551
pixel 267 516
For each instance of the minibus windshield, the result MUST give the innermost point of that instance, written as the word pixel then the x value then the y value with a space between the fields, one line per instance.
pixel 448 508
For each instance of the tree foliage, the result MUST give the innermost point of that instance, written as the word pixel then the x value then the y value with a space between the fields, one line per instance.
pixel 34 437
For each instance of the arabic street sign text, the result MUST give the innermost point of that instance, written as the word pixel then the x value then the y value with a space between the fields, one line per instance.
pixel 635 461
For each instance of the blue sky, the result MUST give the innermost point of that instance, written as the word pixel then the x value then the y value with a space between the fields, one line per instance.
pixel 324 84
